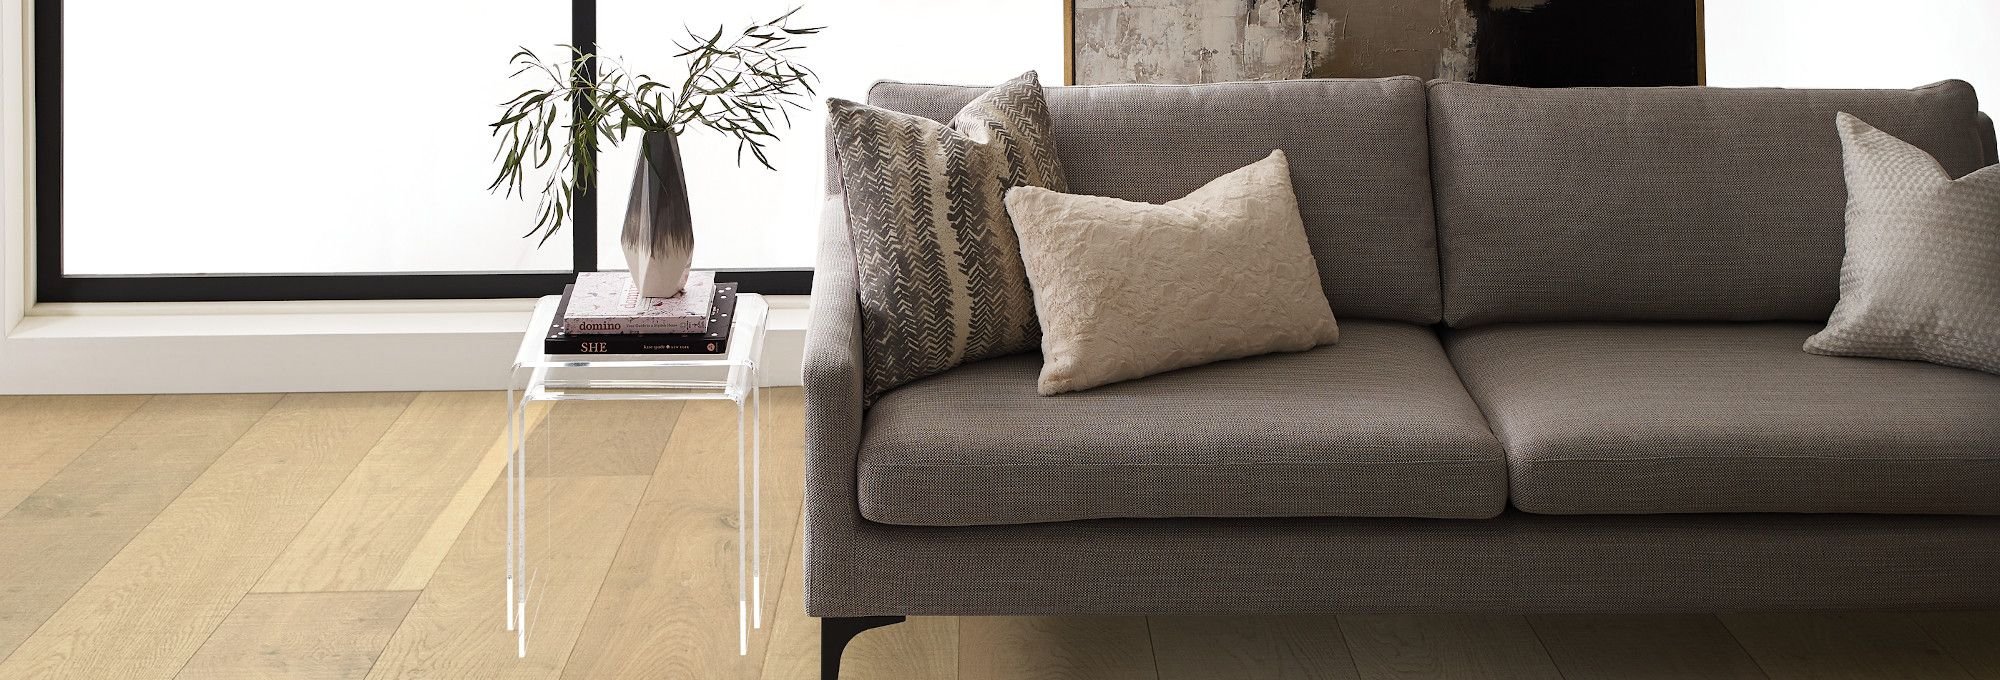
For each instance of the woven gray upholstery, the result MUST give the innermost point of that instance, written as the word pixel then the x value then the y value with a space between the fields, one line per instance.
pixel 1663 204
pixel 1987 139
pixel 1516 563
pixel 1375 426
pixel 1357 149
pixel 832 377
pixel 1649 418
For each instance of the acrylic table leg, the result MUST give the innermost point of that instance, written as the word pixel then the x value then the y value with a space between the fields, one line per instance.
pixel 520 519
pixel 742 602
pixel 757 505
pixel 513 443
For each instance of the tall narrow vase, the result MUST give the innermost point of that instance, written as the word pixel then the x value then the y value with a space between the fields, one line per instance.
pixel 659 235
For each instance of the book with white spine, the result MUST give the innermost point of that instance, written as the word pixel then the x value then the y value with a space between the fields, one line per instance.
pixel 608 303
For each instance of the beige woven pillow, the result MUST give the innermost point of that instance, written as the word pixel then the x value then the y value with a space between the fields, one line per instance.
pixel 1125 290
pixel 1921 279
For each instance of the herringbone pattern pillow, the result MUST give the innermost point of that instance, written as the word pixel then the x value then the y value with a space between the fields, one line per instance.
pixel 939 268
pixel 1921 279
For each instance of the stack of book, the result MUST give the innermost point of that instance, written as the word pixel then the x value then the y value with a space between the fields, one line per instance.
pixel 602 313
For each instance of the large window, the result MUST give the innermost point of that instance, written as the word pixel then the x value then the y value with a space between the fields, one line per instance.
pixel 245 149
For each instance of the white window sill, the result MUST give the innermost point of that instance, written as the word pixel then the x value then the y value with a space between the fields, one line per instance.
pixel 297 346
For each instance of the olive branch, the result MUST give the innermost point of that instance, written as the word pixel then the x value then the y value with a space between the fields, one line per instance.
pixel 743 88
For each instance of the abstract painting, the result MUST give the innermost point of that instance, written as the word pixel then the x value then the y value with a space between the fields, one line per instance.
pixel 1542 43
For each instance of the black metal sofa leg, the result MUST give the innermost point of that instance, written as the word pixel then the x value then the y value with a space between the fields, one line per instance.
pixel 834 634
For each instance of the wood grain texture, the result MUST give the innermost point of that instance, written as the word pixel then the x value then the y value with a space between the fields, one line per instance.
pixel 668 607
pixel 146 612
pixel 793 648
pixel 586 438
pixel 1972 638
pixel 455 629
pixel 300 636
pixel 1055 648
pixel 40 435
pixel 59 536
pixel 784 485
pixel 1695 646
pixel 382 513
pixel 1404 646
pixel 1263 647
pixel 430 549
pixel 1837 646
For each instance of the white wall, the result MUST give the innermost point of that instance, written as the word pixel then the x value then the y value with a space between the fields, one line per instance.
pixel 1855 43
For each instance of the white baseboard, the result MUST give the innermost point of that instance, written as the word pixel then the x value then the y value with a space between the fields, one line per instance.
pixel 299 347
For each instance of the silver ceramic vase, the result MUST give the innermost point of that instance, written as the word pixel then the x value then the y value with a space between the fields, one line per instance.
pixel 658 238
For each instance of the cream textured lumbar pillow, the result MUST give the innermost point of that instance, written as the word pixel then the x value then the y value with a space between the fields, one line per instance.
pixel 1921 279
pixel 940 277
pixel 1126 290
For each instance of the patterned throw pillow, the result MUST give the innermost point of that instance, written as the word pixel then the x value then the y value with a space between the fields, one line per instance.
pixel 940 271
pixel 1921 279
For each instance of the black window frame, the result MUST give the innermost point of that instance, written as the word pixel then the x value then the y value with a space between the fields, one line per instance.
pixel 53 285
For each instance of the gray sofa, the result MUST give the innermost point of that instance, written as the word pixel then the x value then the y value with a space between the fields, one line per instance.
pixel 1569 379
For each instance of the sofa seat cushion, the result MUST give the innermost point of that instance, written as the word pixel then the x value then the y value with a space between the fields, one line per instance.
pixel 1375 426
pixel 1670 418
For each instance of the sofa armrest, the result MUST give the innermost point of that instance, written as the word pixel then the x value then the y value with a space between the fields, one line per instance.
pixel 1986 138
pixel 834 407
pixel 833 355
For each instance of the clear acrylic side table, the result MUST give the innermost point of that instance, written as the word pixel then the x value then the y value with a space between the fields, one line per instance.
pixel 539 377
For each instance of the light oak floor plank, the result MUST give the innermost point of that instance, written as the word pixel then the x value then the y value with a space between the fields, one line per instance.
pixel 784 485
pixel 456 630
pixel 597 438
pixel 1972 639
pixel 40 435
pixel 451 519
pixel 1695 647
pixel 1837 646
pixel 922 647
pixel 146 612
pixel 56 539
pixel 1409 646
pixel 1055 648
pixel 793 650
pixel 378 520
pixel 301 636
pixel 668 607
pixel 1250 647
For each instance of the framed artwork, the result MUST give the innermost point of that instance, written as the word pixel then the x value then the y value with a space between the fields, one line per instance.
pixel 1537 43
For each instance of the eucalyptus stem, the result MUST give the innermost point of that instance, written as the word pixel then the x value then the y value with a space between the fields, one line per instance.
pixel 743 88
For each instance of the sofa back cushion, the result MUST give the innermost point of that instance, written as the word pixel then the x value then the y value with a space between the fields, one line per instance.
pixel 1681 204
pixel 1989 142
pixel 1358 150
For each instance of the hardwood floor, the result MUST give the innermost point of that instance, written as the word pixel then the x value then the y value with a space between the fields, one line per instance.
pixel 360 536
